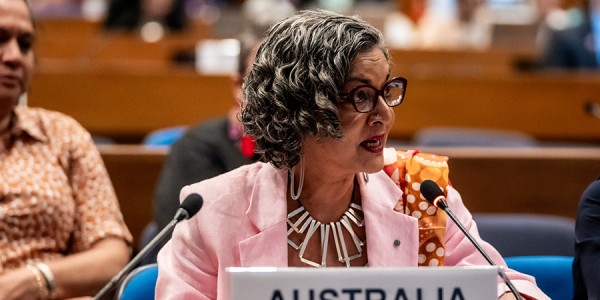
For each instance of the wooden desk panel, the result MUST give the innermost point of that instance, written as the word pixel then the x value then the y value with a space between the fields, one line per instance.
pixel 546 106
pixel 134 172
pixel 132 101
pixel 81 42
pixel 65 38
pixel 114 103
pixel 522 180
pixel 416 63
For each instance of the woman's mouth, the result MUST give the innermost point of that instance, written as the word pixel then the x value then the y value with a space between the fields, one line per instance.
pixel 374 144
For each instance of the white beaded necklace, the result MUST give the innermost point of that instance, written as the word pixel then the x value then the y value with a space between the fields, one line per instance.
pixel 307 224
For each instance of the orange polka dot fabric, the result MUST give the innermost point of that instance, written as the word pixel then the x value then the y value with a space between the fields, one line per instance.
pixel 56 197
pixel 408 169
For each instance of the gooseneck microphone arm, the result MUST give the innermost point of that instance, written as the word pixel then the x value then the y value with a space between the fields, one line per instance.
pixel 433 193
pixel 188 208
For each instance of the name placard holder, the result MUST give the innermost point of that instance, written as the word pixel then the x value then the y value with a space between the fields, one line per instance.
pixel 410 283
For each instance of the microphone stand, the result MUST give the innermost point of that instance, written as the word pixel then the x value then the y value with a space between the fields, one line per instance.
pixel 444 206
pixel 136 260
pixel 188 208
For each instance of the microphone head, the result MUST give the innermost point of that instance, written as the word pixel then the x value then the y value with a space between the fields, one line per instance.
pixel 191 204
pixel 431 191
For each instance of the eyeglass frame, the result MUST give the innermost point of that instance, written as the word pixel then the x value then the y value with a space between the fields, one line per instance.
pixel 379 92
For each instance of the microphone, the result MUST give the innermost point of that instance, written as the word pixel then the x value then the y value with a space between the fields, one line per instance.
pixel 187 209
pixel 434 194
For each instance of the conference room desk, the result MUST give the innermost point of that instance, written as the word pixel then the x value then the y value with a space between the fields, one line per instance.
pixel 494 180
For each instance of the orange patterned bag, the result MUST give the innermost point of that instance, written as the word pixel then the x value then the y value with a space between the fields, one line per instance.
pixel 408 171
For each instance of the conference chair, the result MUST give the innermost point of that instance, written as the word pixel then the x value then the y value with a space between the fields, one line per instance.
pixel 553 274
pixel 140 284
pixel 514 234
pixel 164 136
pixel 471 137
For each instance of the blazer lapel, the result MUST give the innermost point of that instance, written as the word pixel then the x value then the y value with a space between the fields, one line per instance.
pixel 392 237
pixel 266 249
pixel 268 212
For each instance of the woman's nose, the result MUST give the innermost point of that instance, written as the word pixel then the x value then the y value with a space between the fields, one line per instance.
pixel 383 112
pixel 382 106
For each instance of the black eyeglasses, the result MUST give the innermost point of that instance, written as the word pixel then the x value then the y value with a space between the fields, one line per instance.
pixel 364 97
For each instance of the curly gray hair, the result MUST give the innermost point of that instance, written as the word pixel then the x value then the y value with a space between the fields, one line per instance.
pixel 300 68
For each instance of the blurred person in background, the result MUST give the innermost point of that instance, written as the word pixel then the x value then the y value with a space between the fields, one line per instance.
pixel 207 149
pixel 586 264
pixel 439 24
pixel 569 34
pixel 56 8
pixel 131 15
pixel 62 234
pixel 259 15
pixel 216 146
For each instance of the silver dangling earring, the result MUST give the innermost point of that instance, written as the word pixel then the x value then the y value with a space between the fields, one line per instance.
pixel 365 177
pixel 295 195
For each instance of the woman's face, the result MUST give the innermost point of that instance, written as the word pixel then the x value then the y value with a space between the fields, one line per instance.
pixel 16 55
pixel 364 134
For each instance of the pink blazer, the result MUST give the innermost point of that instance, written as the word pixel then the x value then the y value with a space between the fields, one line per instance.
pixel 243 224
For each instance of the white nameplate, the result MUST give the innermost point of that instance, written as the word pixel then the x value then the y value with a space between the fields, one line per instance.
pixel 410 283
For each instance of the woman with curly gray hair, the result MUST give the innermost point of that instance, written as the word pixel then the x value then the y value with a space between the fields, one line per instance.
pixel 319 104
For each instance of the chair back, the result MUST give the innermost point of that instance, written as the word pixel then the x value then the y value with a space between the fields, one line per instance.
pixel 472 137
pixel 553 274
pixel 527 234
pixel 164 137
pixel 140 284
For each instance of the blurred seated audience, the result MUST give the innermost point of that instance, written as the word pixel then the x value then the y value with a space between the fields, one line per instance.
pixel 130 15
pixel 568 34
pixel 93 10
pixel 259 15
pixel 586 265
pixel 439 24
pixel 62 234
pixel 56 8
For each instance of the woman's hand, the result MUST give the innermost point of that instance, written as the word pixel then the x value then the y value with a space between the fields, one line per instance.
pixel 18 284
pixel 85 273
pixel 82 273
